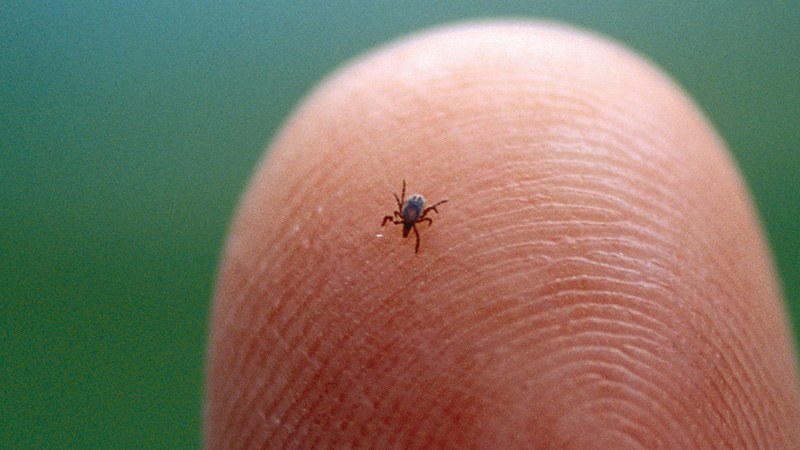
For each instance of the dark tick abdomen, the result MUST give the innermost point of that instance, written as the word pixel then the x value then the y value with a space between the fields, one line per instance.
pixel 413 208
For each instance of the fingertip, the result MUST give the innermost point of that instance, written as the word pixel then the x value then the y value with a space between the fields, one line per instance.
pixel 598 275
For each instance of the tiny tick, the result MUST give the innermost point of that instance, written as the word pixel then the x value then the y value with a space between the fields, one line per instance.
pixel 411 212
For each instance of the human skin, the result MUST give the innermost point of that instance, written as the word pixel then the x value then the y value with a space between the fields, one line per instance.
pixel 598 278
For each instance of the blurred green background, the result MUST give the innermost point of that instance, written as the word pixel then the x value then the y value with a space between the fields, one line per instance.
pixel 127 133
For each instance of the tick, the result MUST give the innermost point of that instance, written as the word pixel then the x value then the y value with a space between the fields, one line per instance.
pixel 411 212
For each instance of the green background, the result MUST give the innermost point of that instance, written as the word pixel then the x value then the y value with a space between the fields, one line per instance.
pixel 127 133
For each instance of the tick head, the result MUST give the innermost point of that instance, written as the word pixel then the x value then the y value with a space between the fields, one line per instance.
pixel 407 228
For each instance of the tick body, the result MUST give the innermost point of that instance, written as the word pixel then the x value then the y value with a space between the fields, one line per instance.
pixel 411 212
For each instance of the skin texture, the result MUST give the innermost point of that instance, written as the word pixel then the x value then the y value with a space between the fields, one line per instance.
pixel 598 278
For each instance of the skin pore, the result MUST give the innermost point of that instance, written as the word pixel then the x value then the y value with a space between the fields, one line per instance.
pixel 598 279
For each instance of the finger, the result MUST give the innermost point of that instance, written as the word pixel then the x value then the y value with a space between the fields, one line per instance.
pixel 598 278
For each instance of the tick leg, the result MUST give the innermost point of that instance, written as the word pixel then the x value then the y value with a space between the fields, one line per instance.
pixel 403 195
pixel 429 208
pixel 396 218
pixel 426 219
pixel 416 233
pixel 437 204
pixel 399 203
